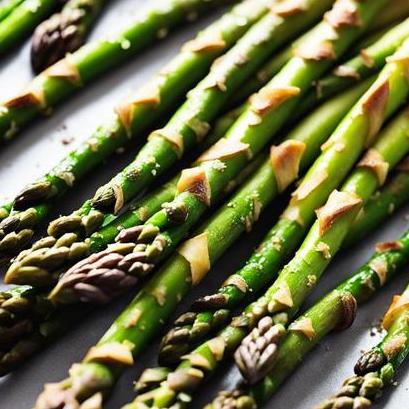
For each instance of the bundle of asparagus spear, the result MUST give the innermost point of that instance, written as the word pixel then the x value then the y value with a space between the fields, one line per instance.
pixel 297 102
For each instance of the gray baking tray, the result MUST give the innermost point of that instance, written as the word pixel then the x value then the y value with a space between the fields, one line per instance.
pixel 42 145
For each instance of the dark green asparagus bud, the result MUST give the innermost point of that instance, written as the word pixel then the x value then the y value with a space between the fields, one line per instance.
pixel 63 32
pixel 232 400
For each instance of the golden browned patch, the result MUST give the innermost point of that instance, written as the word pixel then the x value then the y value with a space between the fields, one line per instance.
pixel 344 71
pixel 367 58
pixel 197 360
pixel 345 13
pixel 388 246
pixel 148 95
pixel 349 309
pixel 374 161
pixel 338 204
pixel 196 252
pixel 112 353
pixel 175 139
pixel 400 303
pixel 237 281
pixel 217 345
pixel 32 96
pixel 381 269
pixel 64 69
pixel 288 8
pixel 133 318
pixel 293 213
pixel 285 160
pixel 283 295
pixel 395 345
pixel 210 40
pixel 303 325
pixel 309 185
pixel 225 149
pixel 119 198
pixel 374 105
pixel 194 180
pixel 313 51
pixel 269 98
pixel 200 128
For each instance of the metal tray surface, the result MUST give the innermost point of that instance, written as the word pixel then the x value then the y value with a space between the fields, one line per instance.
pixel 41 145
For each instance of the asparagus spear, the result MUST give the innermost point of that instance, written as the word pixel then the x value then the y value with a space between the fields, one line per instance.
pixel 7 7
pixel 335 311
pixel 211 312
pixel 22 20
pixel 82 67
pixel 376 368
pixel 63 32
pixel 186 127
pixel 140 320
pixel 390 198
pixel 303 271
pixel 37 319
pixel 322 178
pixel 34 202
pixel 361 66
pixel 306 140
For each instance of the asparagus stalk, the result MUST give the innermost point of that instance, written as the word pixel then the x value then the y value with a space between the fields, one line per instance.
pixel 64 32
pixel 366 63
pixel 211 312
pixel 138 323
pixel 306 138
pixel 82 67
pixel 303 271
pixel 22 20
pixel 328 171
pixel 375 370
pixel 34 202
pixel 324 239
pixel 40 321
pixel 336 311
pixel 386 201
pixel 190 124
pixel 7 7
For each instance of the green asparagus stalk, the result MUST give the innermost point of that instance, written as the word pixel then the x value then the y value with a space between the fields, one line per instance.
pixel 139 322
pixel 334 312
pixel 34 202
pixel 200 187
pixel 366 63
pixel 7 7
pixel 342 151
pixel 36 313
pixel 396 10
pixel 301 274
pixel 213 311
pixel 375 370
pixel 306 140
pixel 82 67
pixel 186 127
pixel 22 20
pixel 386 201
pixel 303 271
pixel 63 32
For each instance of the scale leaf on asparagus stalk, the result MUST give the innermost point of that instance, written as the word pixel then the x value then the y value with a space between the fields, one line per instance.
pixel 210 312
pixel 187 127
pixel 199 187
pixel 302 273
pixel 336 311
pixel 39 322
pixel 82 67
pixel 143 317
pixel 63 32
pixel 142 109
